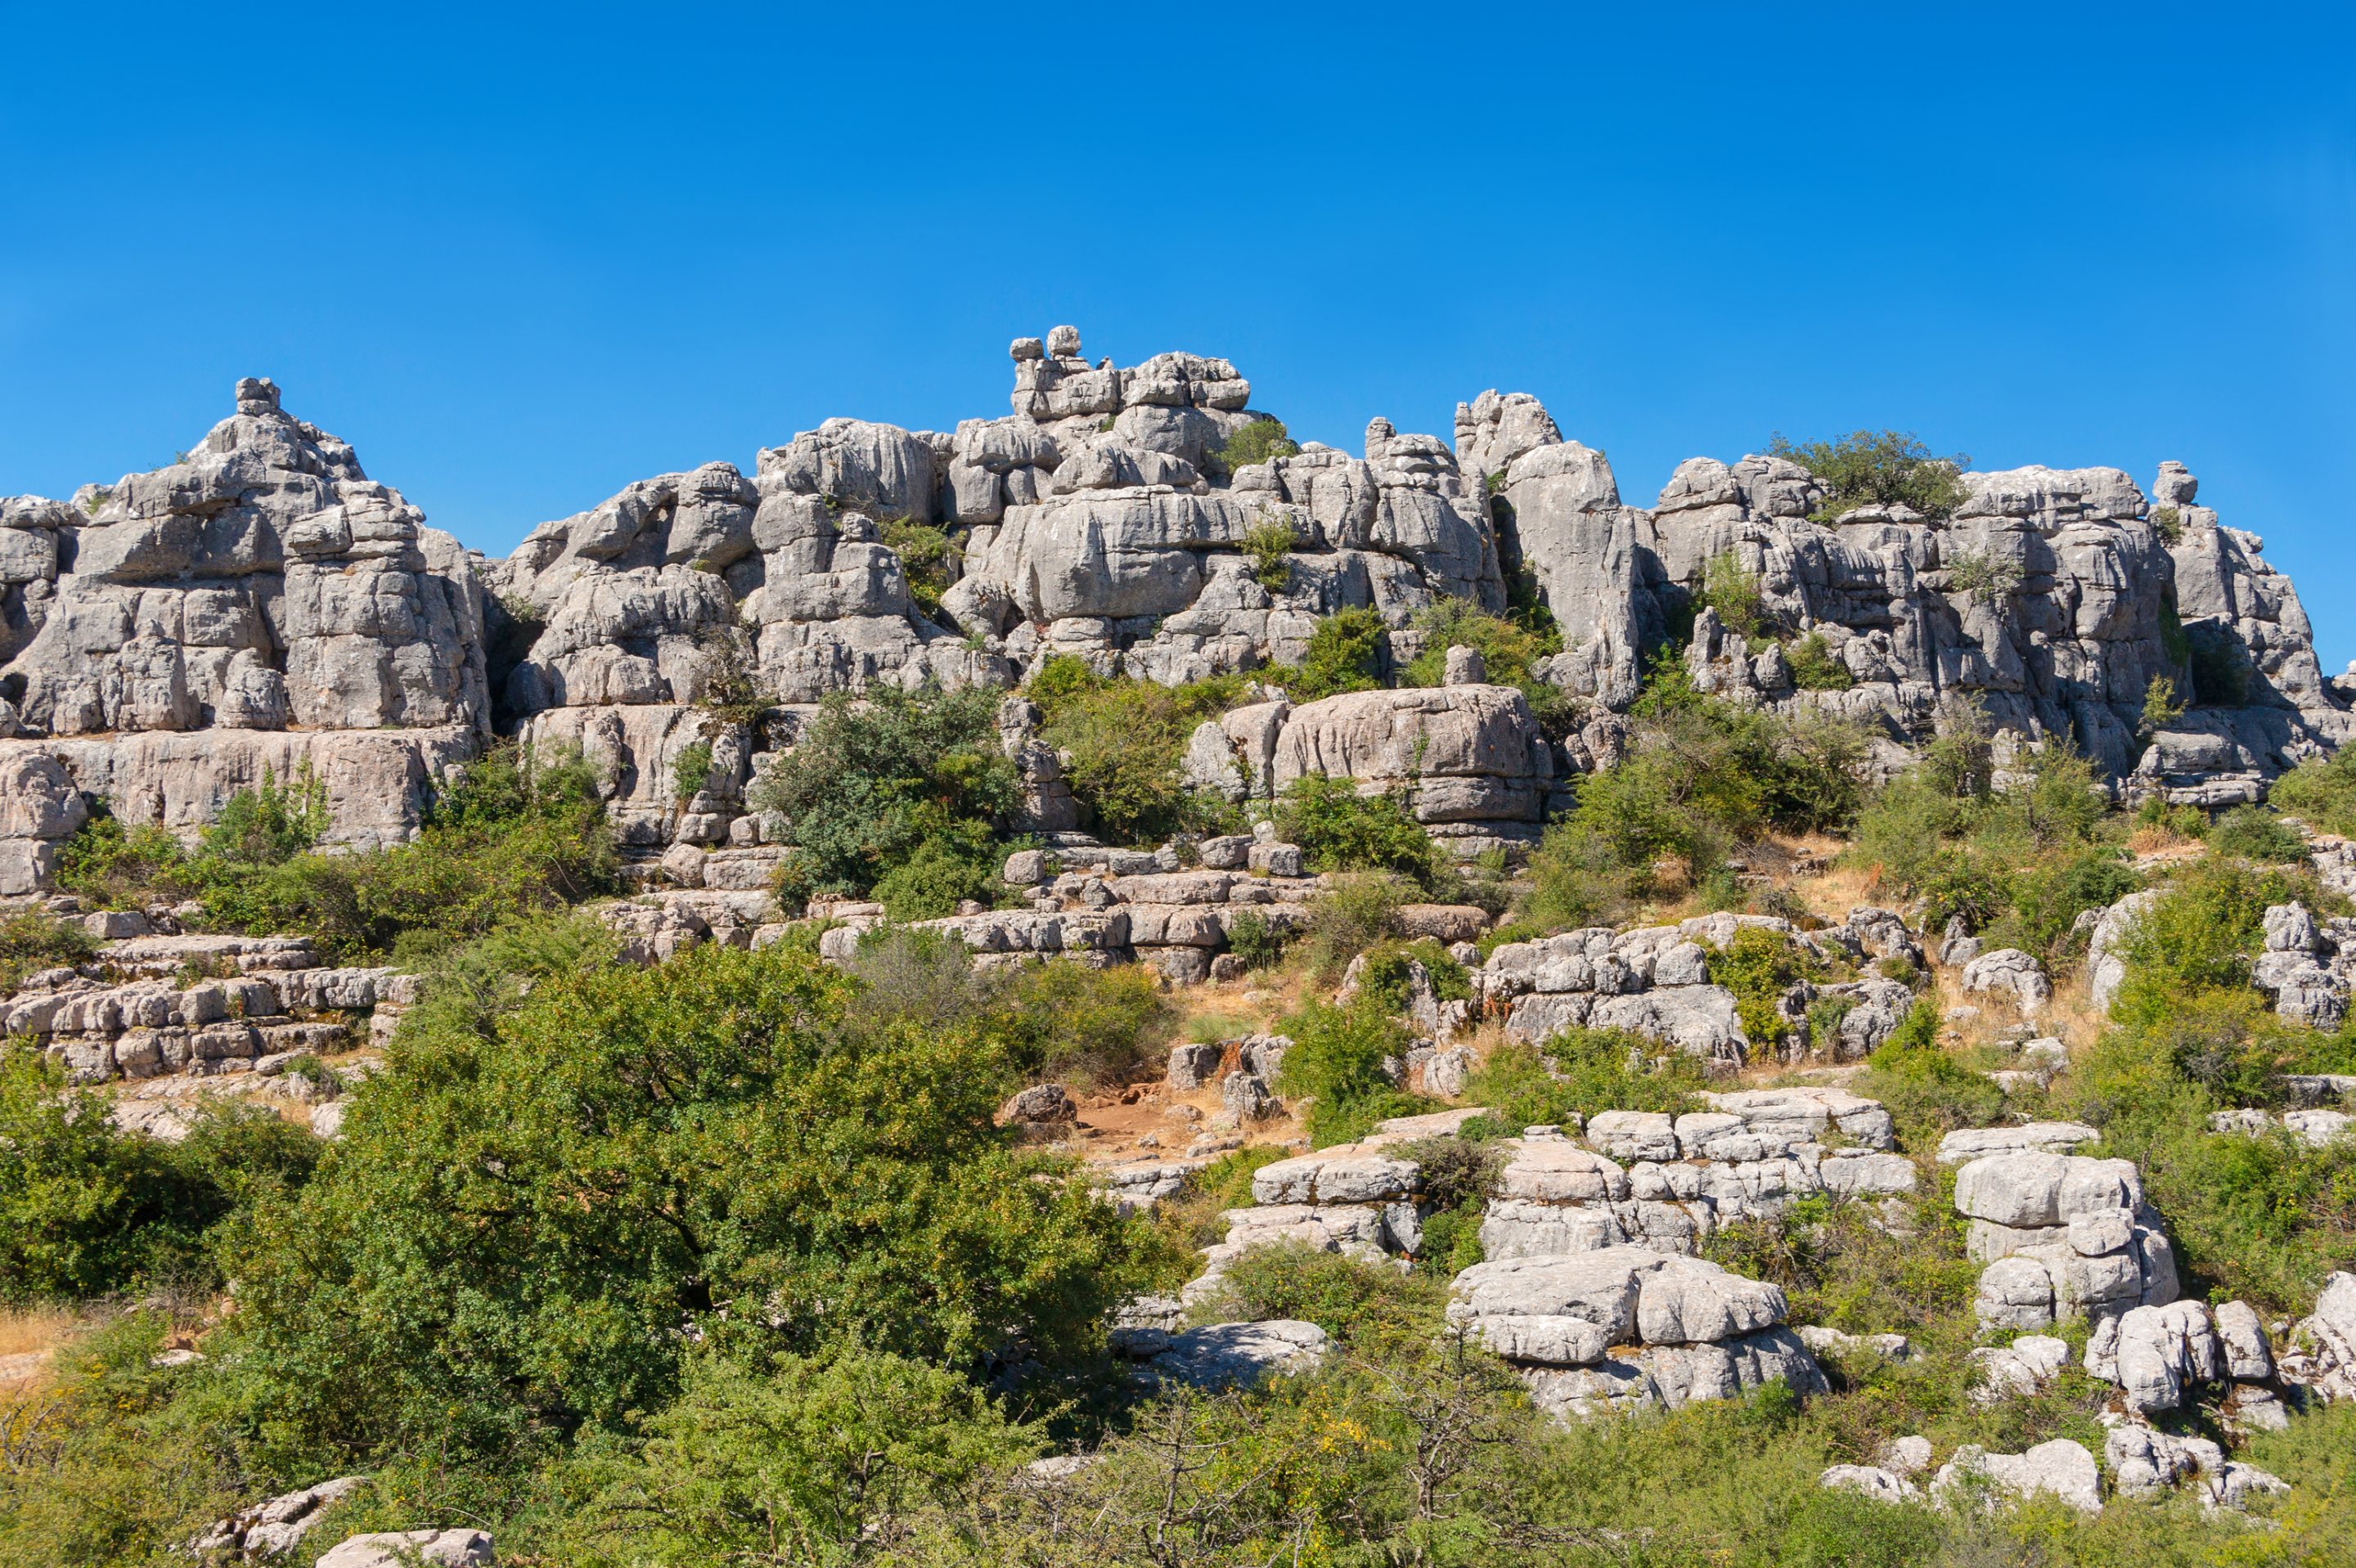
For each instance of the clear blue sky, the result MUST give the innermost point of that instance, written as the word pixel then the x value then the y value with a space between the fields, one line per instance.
pixel 521 259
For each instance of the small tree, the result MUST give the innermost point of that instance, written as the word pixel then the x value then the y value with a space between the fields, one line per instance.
pixel 1263 439
pixel 1267 544
pixel 1737 594
pixel 1880 468
pixel 2161 706
pixel 1346 653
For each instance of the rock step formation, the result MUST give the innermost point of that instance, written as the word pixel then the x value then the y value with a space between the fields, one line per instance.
pixel 1654 980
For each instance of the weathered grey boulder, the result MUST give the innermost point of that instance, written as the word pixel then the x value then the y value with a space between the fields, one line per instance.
pixel 1225 1354
pixel 2010 973
pixel 392 1548
pixel 2063 1468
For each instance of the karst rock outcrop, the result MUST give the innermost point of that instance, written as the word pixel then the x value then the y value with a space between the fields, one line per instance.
pixel 261 607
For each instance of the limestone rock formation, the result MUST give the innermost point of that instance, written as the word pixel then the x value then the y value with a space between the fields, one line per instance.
pixel 261 607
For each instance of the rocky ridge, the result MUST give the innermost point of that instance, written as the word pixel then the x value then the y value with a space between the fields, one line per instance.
pixel 262 607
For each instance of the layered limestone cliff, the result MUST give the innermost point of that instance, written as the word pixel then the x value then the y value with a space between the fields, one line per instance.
pixel 262 607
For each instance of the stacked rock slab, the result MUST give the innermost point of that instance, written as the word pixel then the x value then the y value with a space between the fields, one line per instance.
pixel 1624 1328
pixel 277 1001
pixel 1654 981
pixel 1649 1180
pixel 2062 1236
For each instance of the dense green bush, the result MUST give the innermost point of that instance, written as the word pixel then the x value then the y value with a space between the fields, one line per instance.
pixel 1125 741
pixel 1698 777
pixel 1580 1071
pixel 2320 792
pixel 1349 651
pixel 1366 1305
pixel 1814 665
pixel 2021 863
pixel 1268 545
pixel 1338 1056
pixel 1880 468
pixel 2260 1217
pixel 1841 1265
pixel 691 771
pixel 1736 595
pixel 527 1211
pixel 2255 834
pixel 1758 966
pixel 87 1208
pixel 872 782
pixel 1263 439
pixel 1929 1093
pixel 1350 917
pixel 509 835
pixel 2200 935
pixel 1339 829
pixel 795 1459
pixel 929 557
pixel 1509 651
pixel 1386 977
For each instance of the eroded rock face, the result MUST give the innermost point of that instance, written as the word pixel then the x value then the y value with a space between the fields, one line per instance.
pixel 262 603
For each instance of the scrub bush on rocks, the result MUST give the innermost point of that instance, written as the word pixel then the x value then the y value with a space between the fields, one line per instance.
pixel 872 782
pixel 545 1200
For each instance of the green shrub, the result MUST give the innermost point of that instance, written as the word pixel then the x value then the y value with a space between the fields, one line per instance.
pixel 1880 468
pixel 691 771
pixel 1263 439
pixel 2200 935
pixel 1339 829
pixel 1758 966
pixel 1575 878
pixel 116 867
pixel 871 781
pixel 1510 649
pixel 1362 1304
pixel 1928 1093
pixel 545 1200
pixel 1269 546
pixel 510 837
pixel 2320 792
pixel 32 941
pixel 87 1208
pixel 929 557
pixel 1126 744
pixel 1984 575
pixel 1815 666
pixel 1700 776
pixel 1349 651
pixel 2255 833
pixel 1355 914
pixel 960 861
pixel 2261 1218
pixel 814 1459
pixel 268 825
pixel 1580 1071
pixel 2168 523
pixel 2021 864
pixel 2161 706
pixel 1338 1055
pixel 2043 899
pixel 1253 939
pixel 1841 1265
pixel 1091 1027
pixel 1736 593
